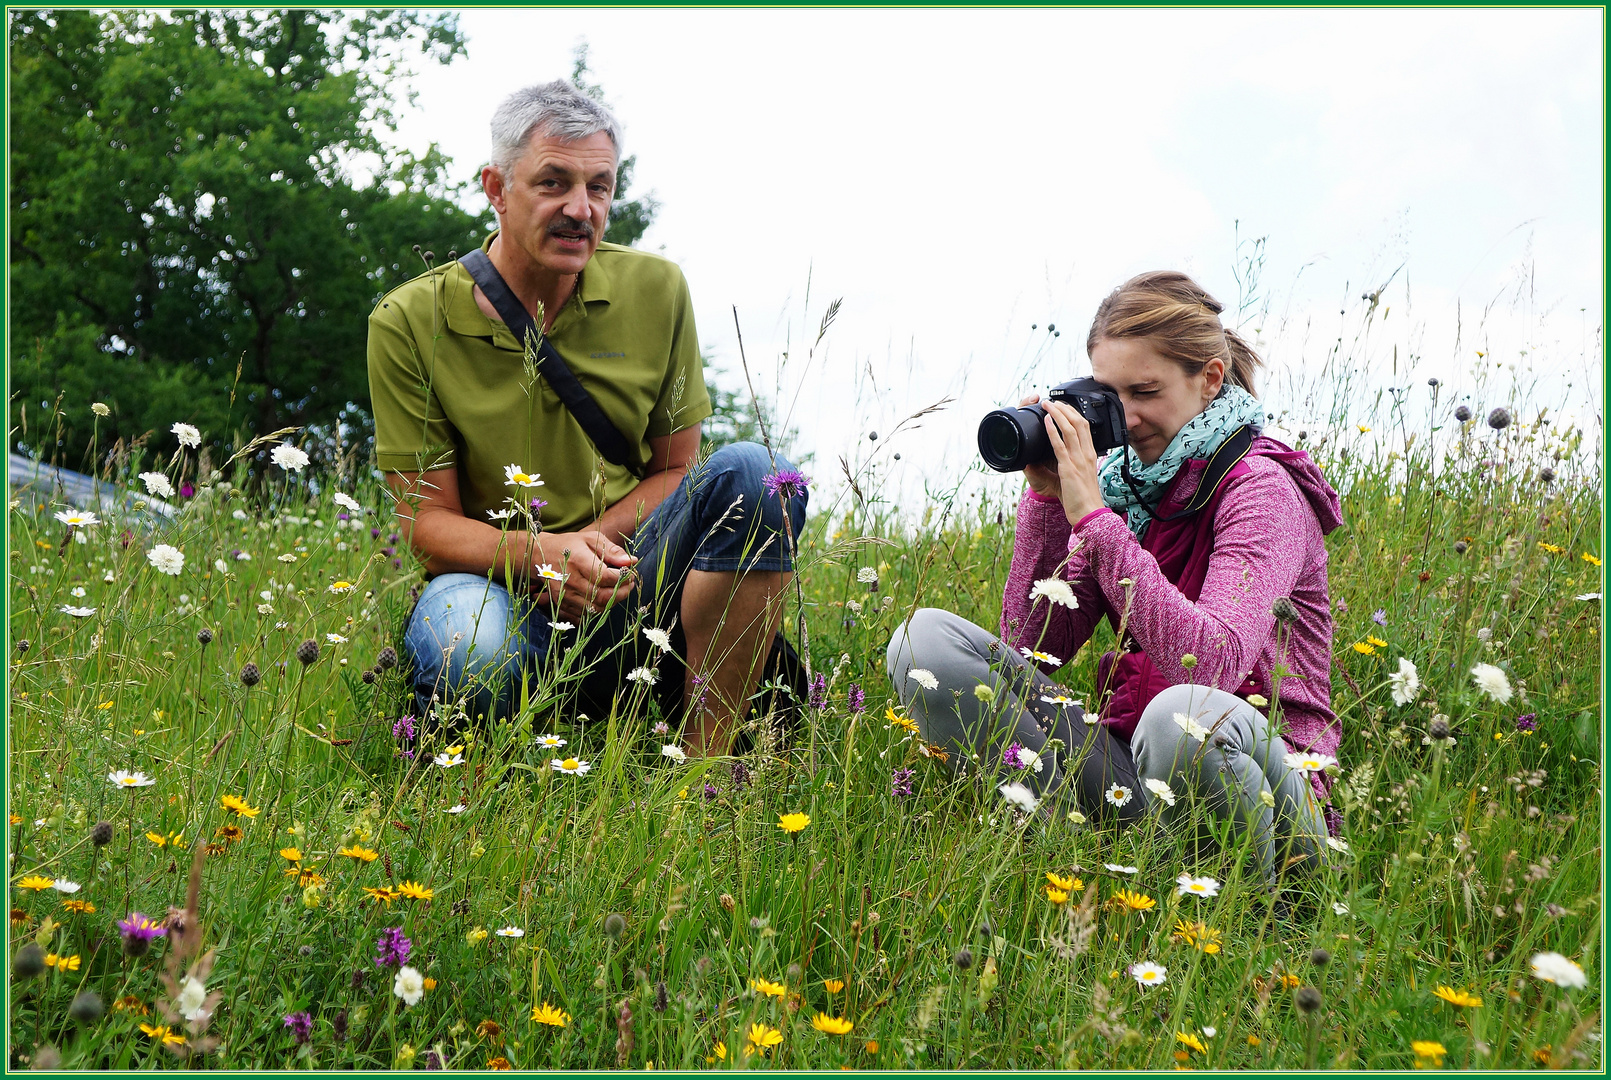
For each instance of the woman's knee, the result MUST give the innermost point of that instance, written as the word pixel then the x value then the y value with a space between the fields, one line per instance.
pixel 929 639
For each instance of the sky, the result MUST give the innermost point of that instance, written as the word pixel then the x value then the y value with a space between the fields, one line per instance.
pixel 962 180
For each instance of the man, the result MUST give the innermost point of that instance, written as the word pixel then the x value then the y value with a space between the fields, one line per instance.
pixel 542 556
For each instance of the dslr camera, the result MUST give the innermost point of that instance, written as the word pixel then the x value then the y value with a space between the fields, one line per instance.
pixel 1009 439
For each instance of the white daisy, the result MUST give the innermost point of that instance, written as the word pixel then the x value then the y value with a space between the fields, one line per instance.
pixel 125 779
pixel 157 484
pixel 510 931
pixel 1405 682
pixel 1190 726
pixel 77 591
pixel 1161 790
pixel 1062 701
pixel 340 587
pixel 648 676
pixel 1039 657
pixel 447 761
pixel 1339 907
pixel 500 515
pixel 81 519
pixel 1555 968
pixel 335 639
pixel 1589 596
pixel 660 639
pixel 1149 974
pixel 1118 794
pixel 188 435
pixel 674 752
pixel 77 612
pixel 1020 796
pixel 1186 885
pixel 550 742
pixel 1492 681
pixel 108 577
pixel 514 475
pixel 347 502
pixel 167 559
pixel 561 626
pixel 924 678
pixel 1309 762
pixel 1118 868
pixel 1055 590
pixel 545 570
pixel 62 885
pixel 289 458
pixel 570 766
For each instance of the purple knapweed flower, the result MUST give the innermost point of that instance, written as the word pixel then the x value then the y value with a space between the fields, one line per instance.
pixel 301 1025
pixel 1379 617
pixel 1527 722
pixel 138 932
pixel 392 947
pixel 786 483
pixel 374 533
pixel 343 517
pixel 855 698
pixel 819 692
pixel 901 781
pixel 538 504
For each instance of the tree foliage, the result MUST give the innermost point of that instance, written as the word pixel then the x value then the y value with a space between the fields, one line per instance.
pixel 203 212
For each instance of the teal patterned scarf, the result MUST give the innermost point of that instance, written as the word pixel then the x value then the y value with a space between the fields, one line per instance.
pixel 1200 437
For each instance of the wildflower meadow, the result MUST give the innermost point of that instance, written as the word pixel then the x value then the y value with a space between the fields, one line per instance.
pixel 233 845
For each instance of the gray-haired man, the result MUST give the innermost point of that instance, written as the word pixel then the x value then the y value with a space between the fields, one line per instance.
pixel 481 449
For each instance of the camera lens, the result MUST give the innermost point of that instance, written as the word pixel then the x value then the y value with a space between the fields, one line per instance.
pixel 1000 441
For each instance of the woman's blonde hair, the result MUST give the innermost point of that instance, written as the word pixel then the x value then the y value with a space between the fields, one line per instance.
pixel 1182 321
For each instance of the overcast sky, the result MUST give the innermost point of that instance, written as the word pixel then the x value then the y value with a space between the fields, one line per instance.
pixel 959 176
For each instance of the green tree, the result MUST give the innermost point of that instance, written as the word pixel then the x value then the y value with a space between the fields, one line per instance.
pixel 203 212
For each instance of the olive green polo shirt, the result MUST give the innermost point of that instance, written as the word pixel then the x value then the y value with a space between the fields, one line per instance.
pixel 451 387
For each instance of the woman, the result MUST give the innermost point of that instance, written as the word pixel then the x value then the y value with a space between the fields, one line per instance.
pixel 1182 713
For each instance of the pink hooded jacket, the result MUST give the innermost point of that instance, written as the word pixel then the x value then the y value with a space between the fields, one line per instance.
pixel 1202 586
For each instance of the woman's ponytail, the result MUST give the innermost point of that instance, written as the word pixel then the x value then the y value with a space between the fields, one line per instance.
pixel 1243 362
pixel 1181 319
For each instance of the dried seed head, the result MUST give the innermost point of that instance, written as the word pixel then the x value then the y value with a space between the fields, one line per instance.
pixel 308 651
pixel 792 973
pixel 660 1001
pixel 1283 609
pixel 986 931
pixel 29 961
pixel 1462 414
pixel 1308 1000
pixel 1461 547
pixel 86 1007
pixel 250 676
pixel 1320 957
pixel 727 902
pixel 386 659
pixel 1439 729
pixel 101 833
pixel 1547 475
pixel 1499 419
pixel 614 926
pixel 369 678
pixel 963 959
pixel 338 1025
pixel 205 636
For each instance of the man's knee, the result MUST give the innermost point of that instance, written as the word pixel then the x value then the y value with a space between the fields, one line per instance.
pixel 461 632
pixel 742 469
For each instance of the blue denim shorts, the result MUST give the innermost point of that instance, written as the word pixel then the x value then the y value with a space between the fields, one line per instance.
pixel 470 640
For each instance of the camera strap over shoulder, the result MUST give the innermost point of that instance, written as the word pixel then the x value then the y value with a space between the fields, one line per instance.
pixel 605 435
pixel 1220 463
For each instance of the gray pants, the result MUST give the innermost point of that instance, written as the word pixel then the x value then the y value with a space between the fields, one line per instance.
pixel 962 656
pixel 1240 773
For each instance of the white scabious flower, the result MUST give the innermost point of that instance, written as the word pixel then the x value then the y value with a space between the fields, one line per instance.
pixel 1405 682
pixel 924 678
pixel 674 752
pixel 289 458
pixel 157 484
pixel 1020 796
pixel 648 676
pixel 1554 968
pixel 62 885
pixel 192 1001
pixel 1161 790
pixel 100 408
pixel 408 985
pixel 1055 590
pixel 867 576
pixel 167 559
pixel 347 502
pixel 1492 681
pixel 238 514
pixel 187 435
pixel 660 639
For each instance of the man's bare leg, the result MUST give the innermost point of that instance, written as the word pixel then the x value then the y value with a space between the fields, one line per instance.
pixel 728 622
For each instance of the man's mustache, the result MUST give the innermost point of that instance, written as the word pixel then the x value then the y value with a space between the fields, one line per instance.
pixel 572 225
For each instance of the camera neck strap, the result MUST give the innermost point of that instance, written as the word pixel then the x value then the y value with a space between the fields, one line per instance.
pixel 1220 463
pixel 550 365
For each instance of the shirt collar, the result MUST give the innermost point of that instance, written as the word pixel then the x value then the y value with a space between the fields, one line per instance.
pixel 464 316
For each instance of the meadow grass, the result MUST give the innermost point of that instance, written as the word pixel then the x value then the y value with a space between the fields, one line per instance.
pixel 658 908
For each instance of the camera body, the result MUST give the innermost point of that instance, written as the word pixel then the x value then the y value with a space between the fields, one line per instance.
pixel 1009 439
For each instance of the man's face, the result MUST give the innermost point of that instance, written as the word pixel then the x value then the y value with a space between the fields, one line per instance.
pixel 554 202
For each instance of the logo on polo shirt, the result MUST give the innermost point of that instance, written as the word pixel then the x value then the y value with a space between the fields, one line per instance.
pixel 606 355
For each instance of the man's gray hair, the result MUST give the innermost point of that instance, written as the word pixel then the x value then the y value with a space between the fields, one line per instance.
pixel 555 110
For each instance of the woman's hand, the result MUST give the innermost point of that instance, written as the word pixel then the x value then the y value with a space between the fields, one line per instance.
pixel 1042 480
pixel 1077 484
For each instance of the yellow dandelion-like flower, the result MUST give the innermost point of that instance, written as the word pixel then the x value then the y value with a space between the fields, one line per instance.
pixel 793 823
pixel 415 891
pixel 718 1052
pixel 1551 548
pixel 161 1034
pixel 382 895
pixel 547 1014
pixel 229 833
pixel 1590 559
pixel 761 1036
pixel 833 986
pixel 36 883
pixel 1372 639
pixel 1458 997
pixel 1067 884
pixel 1186 1038
pixel 1364 648
pixel 832 1025
pixel 361 854
pixel 1056 895
pixel 239 806
pixel 1198 935
pixel 499 1064
pixel 79 907
pixel 1133 901
pixel 1290 982
pixel 1427 1050
pixel 898 721
pixel 291 854
pixel 770 989
pixel 173 839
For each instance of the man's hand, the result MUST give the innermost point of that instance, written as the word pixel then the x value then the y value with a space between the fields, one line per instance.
pixel 596 573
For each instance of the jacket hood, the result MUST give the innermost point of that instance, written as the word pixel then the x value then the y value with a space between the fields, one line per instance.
pixel 1322 497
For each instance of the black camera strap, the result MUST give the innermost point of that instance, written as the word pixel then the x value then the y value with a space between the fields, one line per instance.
pixel 605 435
pixel 1220 463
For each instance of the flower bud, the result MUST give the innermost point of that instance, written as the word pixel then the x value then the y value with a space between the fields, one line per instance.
pixel 205 636
pixel 727 902
pixel 308 651
pixel 1320 958
pixel 101 833
pixel 1439 729
pixel 86 1008
pixel 614 926
pixel 1462 414
pixel 1547 475
pixel 1499 419
pixel 1189 661
pixel 1283 609
pixel 29 961
pixel 250 675
pixel 1461 547
pixel 386 659
pixel 963 959
pixel 1308 999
